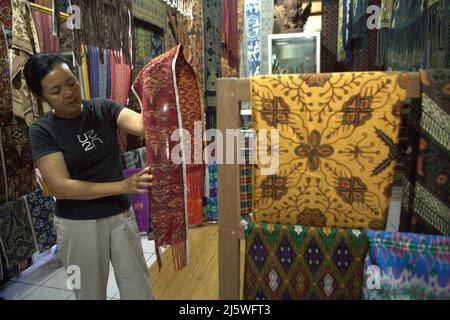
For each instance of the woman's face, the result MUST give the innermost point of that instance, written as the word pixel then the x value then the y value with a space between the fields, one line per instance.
pixel 61 90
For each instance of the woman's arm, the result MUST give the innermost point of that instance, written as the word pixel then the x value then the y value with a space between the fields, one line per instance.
pixel 131 122
pixel 54 173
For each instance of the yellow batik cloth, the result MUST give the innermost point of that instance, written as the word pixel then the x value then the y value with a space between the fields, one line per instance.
pixel 338 135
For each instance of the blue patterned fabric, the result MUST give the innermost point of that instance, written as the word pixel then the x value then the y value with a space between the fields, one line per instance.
pixel 42 210
pixel 157 45
pixel 252 20
pixel 212 200
pixel 407 266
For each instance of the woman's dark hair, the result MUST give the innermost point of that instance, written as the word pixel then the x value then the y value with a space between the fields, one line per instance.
pixel 38 66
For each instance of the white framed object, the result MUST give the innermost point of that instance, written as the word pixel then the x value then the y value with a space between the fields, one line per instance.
pixel 291 53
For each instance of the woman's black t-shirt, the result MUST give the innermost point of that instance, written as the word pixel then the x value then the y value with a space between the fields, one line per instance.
pixel 91 152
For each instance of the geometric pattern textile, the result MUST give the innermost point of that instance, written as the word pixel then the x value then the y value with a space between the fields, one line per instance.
pixel 337 147
pixel 411 266
pixel 302 263
pixel 170 100
pixel 426 197
pixel 42 209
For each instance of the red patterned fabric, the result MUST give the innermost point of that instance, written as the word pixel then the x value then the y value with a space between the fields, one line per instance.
pixel 120 88
pixel 6 13
pixel 168 92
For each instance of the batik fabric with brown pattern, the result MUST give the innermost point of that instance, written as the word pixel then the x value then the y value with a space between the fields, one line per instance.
pixel 338 135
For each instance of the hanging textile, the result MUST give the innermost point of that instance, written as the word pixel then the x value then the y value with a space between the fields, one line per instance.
pixel 108 25
pixel 103 68
pixel 16 166
pixel 212 199
pixel 140 202
pixel 246 188
pixel 212 15
pixel 16 233
pixel 170 100
pixel 156 45
pixel 338 54
pixel 5 82
pixel 134 159
pixel 120 78
pixel 6 13
pixel 252 22
pixel 41 210
pixel 151 11
pixel 93 61
pixel 25 43
pixel 143 42
pixel 412 266
pixel 191 36
pixel 84 74
pixel 230 36
pixel 425 203
pixel 43 24
pixel 301 263
pixel 267 8
pixel 414 34
pixel 337 147
pixel 120 88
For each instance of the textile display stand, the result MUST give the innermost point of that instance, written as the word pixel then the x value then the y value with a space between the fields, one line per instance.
pixel 230 93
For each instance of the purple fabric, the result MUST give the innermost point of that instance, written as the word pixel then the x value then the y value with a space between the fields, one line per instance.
pixel 141 207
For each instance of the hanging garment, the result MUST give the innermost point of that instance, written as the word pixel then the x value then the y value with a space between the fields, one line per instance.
pixel 5 82
pixel 25 43
pixel 170 100
pixel 426 202
pixel 337 148
pixel 408 267
pixel 43 24
pixel 16 165
pixel 212 199
pixel 141 207
pixel 41 210
pixel 6 13
pixel 253 24
pixel 16 233
pixel 301 263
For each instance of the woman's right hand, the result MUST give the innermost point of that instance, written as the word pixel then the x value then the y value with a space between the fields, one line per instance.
pixel 139 182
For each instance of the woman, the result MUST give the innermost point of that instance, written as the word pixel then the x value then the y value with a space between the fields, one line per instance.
pixel 76 150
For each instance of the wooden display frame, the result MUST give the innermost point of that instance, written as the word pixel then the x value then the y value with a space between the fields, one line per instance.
pixel 230 93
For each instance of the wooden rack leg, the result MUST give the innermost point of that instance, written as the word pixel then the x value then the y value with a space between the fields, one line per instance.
pixel 228 197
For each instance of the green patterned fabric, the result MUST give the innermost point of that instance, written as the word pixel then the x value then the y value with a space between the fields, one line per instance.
pixel 296 262
pixel 151 11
